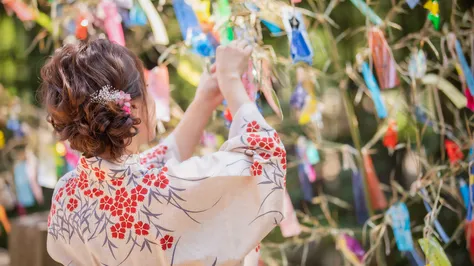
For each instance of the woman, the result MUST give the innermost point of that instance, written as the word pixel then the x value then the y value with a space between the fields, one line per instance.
pixel 160 207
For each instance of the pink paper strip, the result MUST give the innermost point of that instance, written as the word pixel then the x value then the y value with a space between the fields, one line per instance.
pixel 290 225
pixel 112 22
pixel 159 87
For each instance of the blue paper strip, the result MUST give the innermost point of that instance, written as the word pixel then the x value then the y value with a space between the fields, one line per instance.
pixel 412 3
pixel 401 226
pixel 360 206
pixel 367 11
pixel 465 68
pixel 471 193
pixel 272 27
pixel 306 186
pixel 414 258
pixel 439 228
pixel 464 190
pixel 374 89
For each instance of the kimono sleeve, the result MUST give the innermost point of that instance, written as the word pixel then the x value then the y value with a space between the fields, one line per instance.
pixel 219 207
pixel 157 156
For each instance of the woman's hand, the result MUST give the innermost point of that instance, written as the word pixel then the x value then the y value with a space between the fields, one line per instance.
pixel 232 62
pixel 208 92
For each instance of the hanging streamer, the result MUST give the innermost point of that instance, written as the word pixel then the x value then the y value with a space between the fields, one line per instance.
pixel 2 140
pixel 469 221
pixel 351 249
pixel 300 47
pixel 371 84
pixel 4 219
pixel 385 65
pixel 360 204
pixel 24 193
pixel 157 27
pixel 290 225
pixel 309 109
pixel 159 88
pixel 312 153
pixel 417 65
pixel 298 97
pixel 302 152
pixel 439 228
pixel 82 24
pixel 466 70
pixel 464 190
pixel 191 29
pixel 390 139
pixel 32 173
pixel 22 11
pixel 412 3
pixel 447 88
pixel 112 22
pixel 400 221
pixel 137 17
pixel 223 13
pixel 305 171
pixel 433 16
pixel 377 198
pixel 453 150
pixel 435 255
pixel 367 11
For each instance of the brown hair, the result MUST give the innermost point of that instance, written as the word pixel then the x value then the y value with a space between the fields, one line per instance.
pixel 72 75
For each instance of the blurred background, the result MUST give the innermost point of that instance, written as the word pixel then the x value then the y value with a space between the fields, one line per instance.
pixel 371 98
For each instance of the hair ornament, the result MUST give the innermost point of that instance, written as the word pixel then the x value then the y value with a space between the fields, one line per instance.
pixel 109 94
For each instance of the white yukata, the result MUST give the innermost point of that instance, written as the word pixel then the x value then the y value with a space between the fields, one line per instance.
pixel 152 209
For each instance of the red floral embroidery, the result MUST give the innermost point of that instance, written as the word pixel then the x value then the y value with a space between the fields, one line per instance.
pixel 141 228
pixel 166 242
pixel 151 166
pixel 265 155
pixel 52 212
pixel 72 205
pixel 117 181
pixel 253 139
pixel 84 163
pixel 121 195
pixel 95 192
pixel 106 203
pixel 149 179
pixel 130 206
pixel 138 193
pixel 283 163
pixel 276 138
pixel 256 169
pixel 118 231
pixel 71 186
pixel 164 169
pixel 88 193
pixel 266 143
pixel 162 181
pixel 279 152
pixel 116 209
pixel 253 126
pixel 83 182
pixel 99 174
pixel 126 221
pixel 257 249
pixel 161 150
pixel 59 194
pixel 143 160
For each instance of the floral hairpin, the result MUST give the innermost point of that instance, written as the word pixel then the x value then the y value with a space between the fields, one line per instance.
pixel 109 94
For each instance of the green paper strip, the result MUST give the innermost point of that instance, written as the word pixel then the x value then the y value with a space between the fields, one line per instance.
pixel 44 21
pixel 435 255
pixel 458 99
pixel 367 11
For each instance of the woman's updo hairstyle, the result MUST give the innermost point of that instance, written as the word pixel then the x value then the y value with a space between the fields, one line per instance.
pixel 69 79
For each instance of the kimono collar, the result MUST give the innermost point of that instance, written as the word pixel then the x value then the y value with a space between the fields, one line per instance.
pixel 103 169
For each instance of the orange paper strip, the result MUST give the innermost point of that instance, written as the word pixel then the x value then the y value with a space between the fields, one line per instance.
pixel 377 198
pixel 384 63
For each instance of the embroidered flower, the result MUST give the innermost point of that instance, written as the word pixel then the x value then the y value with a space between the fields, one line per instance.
pixel 59 194
pixel 141 228
pixel 117 231
pixel 162 181
pixel 88 193
pixel 130 206
pixel 151 166
pixel 276 137
pixel 164 169
pixel 71 186
pixel 106 203
pixel 72 205
pixel 253 139
pixel 166 242
pixel 97 192
pixel 121 195
pixel 84 163
pixel 265 155
pixel 138 193
pixel 266 143
pixel 161 150
pixel 253 126
pixel 279 152
pixel 83 182
pixel 52 212
pixel 126 221
pixel 117 181
pixel 116 209
pixel 256 169
pixel 149 179
pixel 99 174
pixel 143 160
pixel 283 163
pixel 257 249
